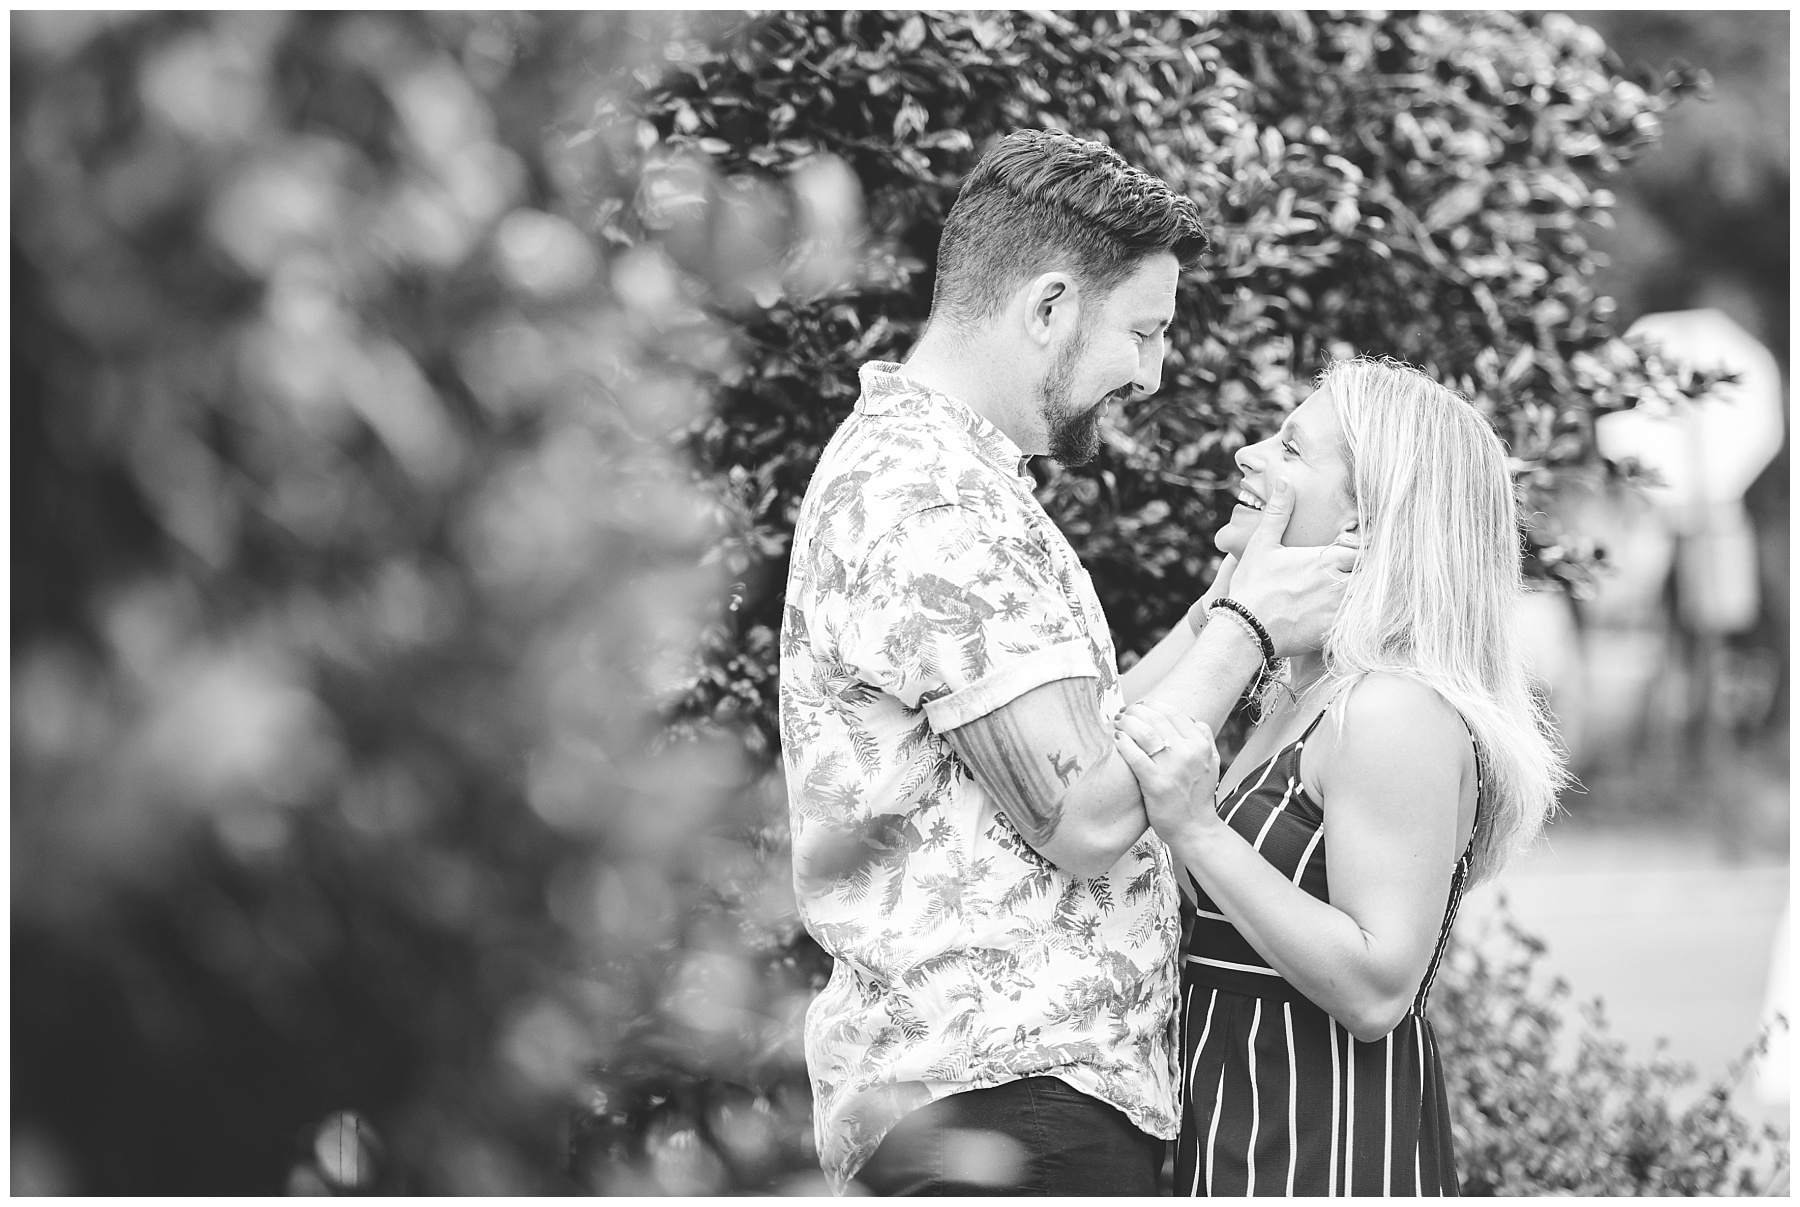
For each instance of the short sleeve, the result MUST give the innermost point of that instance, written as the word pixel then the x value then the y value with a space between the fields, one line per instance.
pixel 953 614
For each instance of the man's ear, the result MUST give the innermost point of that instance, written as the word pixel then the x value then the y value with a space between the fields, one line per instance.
pixel 1052 307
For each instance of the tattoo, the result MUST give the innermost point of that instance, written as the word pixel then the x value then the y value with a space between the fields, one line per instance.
pixel 1005 751
pixel 1036 826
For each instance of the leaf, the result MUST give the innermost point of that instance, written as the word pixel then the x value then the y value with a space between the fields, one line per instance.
pixel 987 33
pixel 1519 366
pixel 910 120
pixel 948 140
pixel 1456 205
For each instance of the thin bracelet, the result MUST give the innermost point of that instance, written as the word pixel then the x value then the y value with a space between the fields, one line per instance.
pixel 1263 641
pixel 1196 617
pixel 1249 632
pixel 1264 670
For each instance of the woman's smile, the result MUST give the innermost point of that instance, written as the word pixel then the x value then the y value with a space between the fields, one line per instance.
pixel 1308 454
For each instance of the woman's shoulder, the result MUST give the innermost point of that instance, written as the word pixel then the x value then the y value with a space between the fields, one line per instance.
pixel 1386 700
pixel 1383 718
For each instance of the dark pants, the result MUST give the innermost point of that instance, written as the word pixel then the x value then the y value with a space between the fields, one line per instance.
pixel 1035 1136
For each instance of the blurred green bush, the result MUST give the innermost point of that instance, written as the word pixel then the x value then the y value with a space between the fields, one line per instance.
pixel 1416 185
pixel 409 414
pixel 352 568
pixel 1542 1107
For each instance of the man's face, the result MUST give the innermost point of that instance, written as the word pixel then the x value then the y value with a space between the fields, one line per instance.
pixel 1116 352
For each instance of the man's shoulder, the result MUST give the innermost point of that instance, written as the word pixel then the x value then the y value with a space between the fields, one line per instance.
pixel 896 464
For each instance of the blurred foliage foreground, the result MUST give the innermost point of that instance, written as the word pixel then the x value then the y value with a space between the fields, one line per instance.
pixel 409 413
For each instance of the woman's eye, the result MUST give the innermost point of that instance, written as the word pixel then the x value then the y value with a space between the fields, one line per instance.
pixel 1290 448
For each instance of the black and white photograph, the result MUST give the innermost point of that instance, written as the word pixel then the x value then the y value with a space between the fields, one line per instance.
pixel 907 603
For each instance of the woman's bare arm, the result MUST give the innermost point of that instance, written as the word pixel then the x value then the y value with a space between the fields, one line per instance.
pixel 1397 787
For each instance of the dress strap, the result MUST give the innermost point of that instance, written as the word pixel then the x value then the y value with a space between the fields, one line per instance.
pixel 1459 880
pixel 1480 785
pixel 1337 694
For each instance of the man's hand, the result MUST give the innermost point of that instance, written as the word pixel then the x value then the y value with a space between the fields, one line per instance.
pixel 1294 592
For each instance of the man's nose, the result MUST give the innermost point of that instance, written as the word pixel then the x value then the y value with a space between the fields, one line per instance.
pixel 1148 379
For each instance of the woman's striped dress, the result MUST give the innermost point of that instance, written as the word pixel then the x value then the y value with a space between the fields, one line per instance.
pixel 1279 1098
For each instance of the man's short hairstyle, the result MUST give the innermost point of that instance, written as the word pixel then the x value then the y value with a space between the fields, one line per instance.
pixel 1043 200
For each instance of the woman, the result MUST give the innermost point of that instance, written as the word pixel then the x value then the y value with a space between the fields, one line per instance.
pixel 1407 756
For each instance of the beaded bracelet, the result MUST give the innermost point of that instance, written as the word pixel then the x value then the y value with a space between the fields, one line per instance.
pixel 1259 634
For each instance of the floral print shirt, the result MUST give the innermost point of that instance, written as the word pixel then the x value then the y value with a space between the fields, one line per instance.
pixel 928 587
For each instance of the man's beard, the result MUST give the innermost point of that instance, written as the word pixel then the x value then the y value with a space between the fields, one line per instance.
pixel 1074 432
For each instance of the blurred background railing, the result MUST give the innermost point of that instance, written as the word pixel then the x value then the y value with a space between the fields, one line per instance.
pixel 409 412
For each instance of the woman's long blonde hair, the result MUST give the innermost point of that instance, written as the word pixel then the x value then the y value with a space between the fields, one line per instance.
pixel 1435 596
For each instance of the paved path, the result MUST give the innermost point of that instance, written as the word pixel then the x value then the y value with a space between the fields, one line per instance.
pixel 1672 931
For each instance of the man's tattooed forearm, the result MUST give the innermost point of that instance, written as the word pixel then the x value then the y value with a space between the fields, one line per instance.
pixel 1037 824
pixel 1008 758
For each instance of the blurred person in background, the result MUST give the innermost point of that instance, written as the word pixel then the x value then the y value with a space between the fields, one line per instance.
pixel 967 845
pixel 1310 1065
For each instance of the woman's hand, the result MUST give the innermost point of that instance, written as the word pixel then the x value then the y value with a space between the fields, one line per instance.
pixel 1176 765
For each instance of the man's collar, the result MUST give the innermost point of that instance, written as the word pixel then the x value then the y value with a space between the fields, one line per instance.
pixel 886 388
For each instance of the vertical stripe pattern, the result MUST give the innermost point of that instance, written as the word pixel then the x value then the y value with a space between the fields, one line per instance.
pixel 1281 1099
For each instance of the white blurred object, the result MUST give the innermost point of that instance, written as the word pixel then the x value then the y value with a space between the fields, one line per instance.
pixel 828 252
pixel 1711 450
pixel 982 1158
pixel 1770 1079
pixel 1715 571
pixel 1707 454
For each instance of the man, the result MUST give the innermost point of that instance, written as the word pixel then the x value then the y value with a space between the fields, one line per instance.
pixel 967 845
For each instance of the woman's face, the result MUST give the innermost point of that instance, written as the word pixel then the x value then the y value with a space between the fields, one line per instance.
pixel 1308 452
